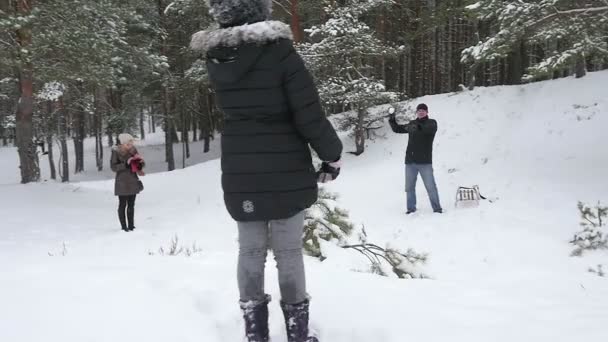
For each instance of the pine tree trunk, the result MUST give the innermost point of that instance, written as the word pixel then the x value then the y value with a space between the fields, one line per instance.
pixel 205 107
pixel 79 131
pixel 100 146
pixel 97 123
pixel 169 157
pixel 111 110
pixel 201 124
pixel 142 130
pixel 183 149
pixel 185 136
pixel 4 138
pixel 448 45
pixel 381 34
pixel 360 132
pixel 62 132
pixel 168 124
pixel 174 136
pixel 581 69
pixel 97 159
pixel 296 27
pixel 28 158
pixel 207 143
pixel 49 138
pixel 194 124
pixel 153 120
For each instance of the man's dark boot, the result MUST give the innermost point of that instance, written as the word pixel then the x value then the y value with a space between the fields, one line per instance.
pixel 296 322
pixel 255 314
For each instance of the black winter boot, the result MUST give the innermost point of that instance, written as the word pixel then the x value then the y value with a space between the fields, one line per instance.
pixel 296 322
pixel 255 314
pixel 123 220
pixel 130 218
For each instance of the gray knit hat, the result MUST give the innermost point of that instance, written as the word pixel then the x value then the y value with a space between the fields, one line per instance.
pixel 229 13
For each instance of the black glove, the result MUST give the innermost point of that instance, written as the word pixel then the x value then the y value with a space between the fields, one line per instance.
pixel 328 172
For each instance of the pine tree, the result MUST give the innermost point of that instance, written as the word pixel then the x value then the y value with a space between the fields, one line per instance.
pixel 326 222
pixel 343 61
pixel 593 235
pixel 577 27
pixel 16 23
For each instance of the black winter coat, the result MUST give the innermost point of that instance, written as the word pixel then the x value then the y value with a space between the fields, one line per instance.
pixel 421 137
pixel 272 114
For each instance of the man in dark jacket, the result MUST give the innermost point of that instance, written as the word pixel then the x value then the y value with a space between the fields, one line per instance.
pixel 419 156
pixel 272 117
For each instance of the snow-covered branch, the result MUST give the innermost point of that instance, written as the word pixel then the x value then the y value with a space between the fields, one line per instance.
pixel 584 10
pixel 278 3
pixel 168 7
pixel 557 13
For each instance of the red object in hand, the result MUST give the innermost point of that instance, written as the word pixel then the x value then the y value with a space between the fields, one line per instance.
pixel 136 163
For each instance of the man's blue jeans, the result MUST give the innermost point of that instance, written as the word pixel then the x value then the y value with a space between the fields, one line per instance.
pixel 411 176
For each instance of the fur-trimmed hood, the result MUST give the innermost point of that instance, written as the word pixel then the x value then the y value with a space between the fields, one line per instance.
pixel 260 32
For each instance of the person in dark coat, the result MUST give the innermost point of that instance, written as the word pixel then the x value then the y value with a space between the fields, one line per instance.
pixel 273 117
pixel 419 156
pixel 128 165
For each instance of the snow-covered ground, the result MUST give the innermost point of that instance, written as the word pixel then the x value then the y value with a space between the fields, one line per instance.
pixel 152 148
pixel 500 272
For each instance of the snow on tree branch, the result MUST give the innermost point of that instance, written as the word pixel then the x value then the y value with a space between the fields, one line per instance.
pixel 51 91
pixel 326 222
pixel 593 236
pixel 580 32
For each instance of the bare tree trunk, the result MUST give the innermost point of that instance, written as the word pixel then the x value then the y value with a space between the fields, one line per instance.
pixel 28 159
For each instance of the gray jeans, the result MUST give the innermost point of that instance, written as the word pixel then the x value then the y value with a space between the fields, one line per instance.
pixel 285 239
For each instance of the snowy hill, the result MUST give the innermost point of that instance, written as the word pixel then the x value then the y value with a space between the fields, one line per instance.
pixel 500 272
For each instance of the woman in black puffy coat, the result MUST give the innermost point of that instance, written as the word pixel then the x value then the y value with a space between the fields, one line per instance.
pixel 273 117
